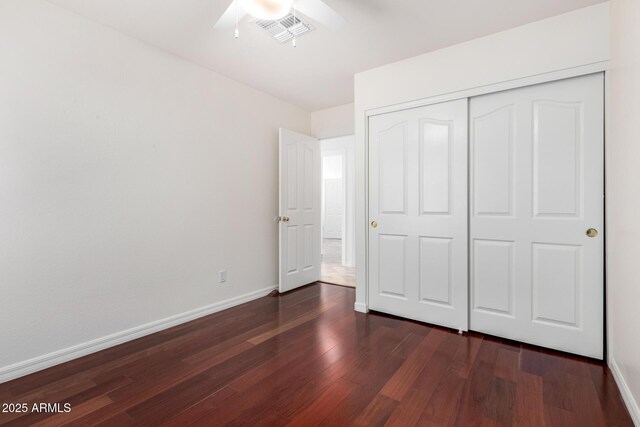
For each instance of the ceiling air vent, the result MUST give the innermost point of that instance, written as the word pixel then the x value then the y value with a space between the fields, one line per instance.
pixel 285 28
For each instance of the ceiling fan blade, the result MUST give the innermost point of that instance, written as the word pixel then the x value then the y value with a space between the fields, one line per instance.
pixel 228 18
pixel 319 11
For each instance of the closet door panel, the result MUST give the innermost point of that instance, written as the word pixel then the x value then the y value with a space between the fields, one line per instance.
pixel 541 149
pixel 418 214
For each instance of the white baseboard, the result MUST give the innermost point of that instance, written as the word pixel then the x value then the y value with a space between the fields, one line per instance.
pixel 39 363
pixel 625 391
pixel 361 307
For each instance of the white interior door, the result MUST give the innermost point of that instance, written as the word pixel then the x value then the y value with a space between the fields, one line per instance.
pixel 333 208
pixel 537 187
pixel 300 210
pixel 418 214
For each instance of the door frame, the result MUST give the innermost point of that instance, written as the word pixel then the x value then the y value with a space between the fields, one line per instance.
pixel 362 223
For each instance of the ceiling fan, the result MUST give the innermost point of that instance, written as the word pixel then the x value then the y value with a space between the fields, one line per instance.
pixel 272 10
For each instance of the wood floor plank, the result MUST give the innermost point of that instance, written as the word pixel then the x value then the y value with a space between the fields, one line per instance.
pixel 59 392
pixel 349 361
pixel 290 325
pixel 306 358
pixel 554 416
pixel 408 345
pixel 203 411
pixel 288 388
pixel 590 414
pixel 529 410
pixel 531 360
pixel 367 389
pixel 120 420
pixel 398 386
pixel 409 410
pixel 557 388
pixel 322 407
pixel 377 356
pixel 466 355
pixel 475 393
pixel 294 357
pixel 79 399
pixel 377 412
pixel 501 401
pixel 507 364
pixel 615 412
pixel 77 412
pixel 443 406
pixel 196 388
pixel 274 392
pixel 439 363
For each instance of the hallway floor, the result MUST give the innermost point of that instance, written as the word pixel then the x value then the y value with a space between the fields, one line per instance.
pixel 332 269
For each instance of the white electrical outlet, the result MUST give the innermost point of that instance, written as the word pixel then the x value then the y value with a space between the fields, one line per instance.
pixel 222 276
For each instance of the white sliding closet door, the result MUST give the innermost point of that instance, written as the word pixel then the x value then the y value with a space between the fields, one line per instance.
pixel 418 214
pixel 537 190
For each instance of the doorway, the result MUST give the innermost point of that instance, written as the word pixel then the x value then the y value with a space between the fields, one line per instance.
pixel 337 187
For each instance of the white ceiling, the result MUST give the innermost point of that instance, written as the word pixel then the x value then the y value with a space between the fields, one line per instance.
pixel 319 72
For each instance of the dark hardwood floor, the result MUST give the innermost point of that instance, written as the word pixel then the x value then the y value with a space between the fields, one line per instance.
pixel 306 358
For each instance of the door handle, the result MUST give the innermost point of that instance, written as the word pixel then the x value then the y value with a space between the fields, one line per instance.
pixel 374 224
pixel 284 218
pixel 592 232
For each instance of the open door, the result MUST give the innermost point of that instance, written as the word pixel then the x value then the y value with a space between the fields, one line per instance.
pixel 300 210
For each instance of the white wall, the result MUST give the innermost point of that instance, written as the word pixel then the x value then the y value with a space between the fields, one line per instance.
pixel 128 179
pixel 346 144
pixel 577 38
pixel 623 225
pixel 333 122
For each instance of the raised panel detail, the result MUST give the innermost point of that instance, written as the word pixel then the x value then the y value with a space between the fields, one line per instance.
pixel 435 166
pixel 493 163
pixel 557 284
pixel 307 235
pixel 292 249
pixel 493 272
pixel 435 270
pixel 392 264
pixel 557 138
pixel 393 170
pixel 292 174
pixel 308 172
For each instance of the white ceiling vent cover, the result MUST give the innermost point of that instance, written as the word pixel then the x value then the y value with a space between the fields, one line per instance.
pixel 284 29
